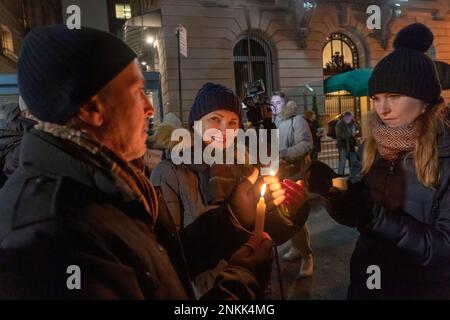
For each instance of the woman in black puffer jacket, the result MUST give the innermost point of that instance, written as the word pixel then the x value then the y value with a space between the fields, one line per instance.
pixel 402 205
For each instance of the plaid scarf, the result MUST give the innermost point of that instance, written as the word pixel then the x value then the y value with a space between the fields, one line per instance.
pixel 129 178
pixel 393 142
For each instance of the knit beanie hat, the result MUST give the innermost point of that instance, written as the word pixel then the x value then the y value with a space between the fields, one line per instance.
pixel 60 69
pixel 213 97
pixel 408 70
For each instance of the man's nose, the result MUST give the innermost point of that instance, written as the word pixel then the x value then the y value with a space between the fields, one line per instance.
pixel 148 109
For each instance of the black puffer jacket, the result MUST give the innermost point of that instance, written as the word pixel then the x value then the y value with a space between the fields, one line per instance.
pixel 406 232
pixel 58 210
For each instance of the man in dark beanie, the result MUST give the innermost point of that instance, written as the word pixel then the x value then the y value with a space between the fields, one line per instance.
pixel 78 218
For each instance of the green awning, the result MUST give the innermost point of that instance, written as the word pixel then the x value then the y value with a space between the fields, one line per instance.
pixel 355 82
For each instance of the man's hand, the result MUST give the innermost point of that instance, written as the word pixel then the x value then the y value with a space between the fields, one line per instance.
pixel 275 195
pixel 244 199
pixel 256 255
pixel 246 195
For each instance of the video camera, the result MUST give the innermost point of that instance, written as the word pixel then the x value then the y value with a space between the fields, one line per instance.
pixel 257 103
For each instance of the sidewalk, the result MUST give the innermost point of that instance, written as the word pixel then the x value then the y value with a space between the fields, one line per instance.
pixel 332 245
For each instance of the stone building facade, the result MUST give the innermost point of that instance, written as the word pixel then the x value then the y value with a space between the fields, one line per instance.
pixel 16 18
pixel 292 33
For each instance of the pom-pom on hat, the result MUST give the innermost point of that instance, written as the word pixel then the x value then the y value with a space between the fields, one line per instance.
pixel 408 70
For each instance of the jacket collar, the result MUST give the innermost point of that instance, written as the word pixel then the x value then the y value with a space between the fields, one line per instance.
pixel 289 111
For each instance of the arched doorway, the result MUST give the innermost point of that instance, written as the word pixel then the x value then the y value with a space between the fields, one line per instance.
pixel 340 55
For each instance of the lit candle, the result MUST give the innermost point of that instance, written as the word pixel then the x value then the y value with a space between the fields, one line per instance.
pixel 260 213
pixel 340 183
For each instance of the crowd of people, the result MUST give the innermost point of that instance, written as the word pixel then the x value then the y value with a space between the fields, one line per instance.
pixel 77 191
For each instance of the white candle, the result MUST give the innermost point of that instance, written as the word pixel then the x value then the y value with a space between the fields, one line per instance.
pixel 260 213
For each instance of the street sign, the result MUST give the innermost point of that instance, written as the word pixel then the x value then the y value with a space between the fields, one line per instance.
pixel 183 40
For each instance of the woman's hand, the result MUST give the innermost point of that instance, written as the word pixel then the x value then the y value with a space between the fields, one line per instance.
pixel 296 201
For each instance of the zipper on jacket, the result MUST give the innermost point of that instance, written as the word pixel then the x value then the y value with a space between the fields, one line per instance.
pixel 389 175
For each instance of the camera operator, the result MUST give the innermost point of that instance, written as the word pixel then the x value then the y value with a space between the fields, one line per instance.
pixel 296 144
pixel 258 107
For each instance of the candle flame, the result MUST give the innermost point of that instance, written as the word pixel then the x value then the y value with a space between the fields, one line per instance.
pixel 263 190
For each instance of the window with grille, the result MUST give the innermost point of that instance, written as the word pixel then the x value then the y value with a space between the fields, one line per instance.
pixel 123 11
pixel 339 55
pixel 252 61
pixel 7 45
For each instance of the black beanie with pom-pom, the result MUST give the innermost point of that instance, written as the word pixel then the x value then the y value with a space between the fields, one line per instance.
pixel 408 70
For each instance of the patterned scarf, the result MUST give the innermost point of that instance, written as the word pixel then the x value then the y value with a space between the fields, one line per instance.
pixel 129 178
pixel 393 142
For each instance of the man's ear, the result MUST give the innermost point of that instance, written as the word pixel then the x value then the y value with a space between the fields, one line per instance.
pixel 92 112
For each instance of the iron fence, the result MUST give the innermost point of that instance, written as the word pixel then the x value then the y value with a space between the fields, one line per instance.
pixel 329 153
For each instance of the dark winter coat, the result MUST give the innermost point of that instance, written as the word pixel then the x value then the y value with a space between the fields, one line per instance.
pixel 10 139
pixel 316 140
pixel 345 135
pixel 406 232
pixel 58 211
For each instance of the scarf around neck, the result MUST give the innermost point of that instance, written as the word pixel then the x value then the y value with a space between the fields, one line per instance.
pixel 130 180
pixel 393 142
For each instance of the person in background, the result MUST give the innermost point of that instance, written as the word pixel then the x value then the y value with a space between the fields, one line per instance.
pixel 296 144
pixel 311 117
pixel 277 101
pixel 346 133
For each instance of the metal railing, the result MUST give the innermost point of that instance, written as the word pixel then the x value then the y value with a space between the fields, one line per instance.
pixel 337 104
pixel 329 153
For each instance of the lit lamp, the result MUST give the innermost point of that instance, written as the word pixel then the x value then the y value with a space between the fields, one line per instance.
pixel 260 213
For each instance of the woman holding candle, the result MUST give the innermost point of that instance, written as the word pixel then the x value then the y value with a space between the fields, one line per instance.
pixel 192 189
pixel 402 205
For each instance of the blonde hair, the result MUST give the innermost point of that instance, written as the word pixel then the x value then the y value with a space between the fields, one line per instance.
pixel 425 153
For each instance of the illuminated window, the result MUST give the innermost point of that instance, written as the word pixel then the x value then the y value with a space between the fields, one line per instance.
pixel 339 55
pixel 123 11
pixel 7 45
pixel 6 38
